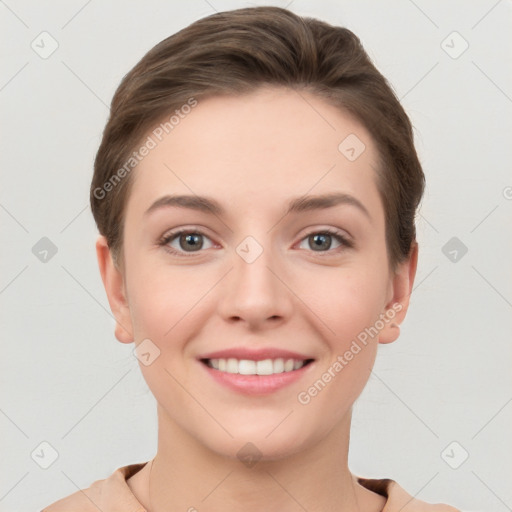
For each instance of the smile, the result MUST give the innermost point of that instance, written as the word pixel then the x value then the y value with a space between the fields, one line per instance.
pixel 260 367
pixel 256 377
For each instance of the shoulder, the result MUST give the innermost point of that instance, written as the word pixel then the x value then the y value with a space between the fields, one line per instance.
pixel 398 499
pixel 84 500
pixel 107 494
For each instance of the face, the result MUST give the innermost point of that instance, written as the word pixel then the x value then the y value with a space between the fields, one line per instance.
pixel 257 279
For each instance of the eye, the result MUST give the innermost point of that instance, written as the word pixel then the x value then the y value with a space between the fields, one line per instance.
pixel 183 241
pixel 321 241
pixel 187 242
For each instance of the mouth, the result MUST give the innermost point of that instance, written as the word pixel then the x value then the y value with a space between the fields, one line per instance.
pixel 260 367
pixel 255 372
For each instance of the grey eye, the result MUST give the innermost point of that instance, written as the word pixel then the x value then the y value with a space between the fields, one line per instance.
pixel 189 241
pixel 321 242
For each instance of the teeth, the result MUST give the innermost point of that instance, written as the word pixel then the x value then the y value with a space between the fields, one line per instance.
pixel 246 367
pixel 250 367
pixel 288 365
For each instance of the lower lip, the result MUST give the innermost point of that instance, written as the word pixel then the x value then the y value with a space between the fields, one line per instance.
pixel 256 384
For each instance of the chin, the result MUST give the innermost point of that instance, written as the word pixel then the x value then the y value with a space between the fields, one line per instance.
pixel 256 441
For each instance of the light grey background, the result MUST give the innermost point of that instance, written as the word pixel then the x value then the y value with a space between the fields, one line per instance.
pixel 65 379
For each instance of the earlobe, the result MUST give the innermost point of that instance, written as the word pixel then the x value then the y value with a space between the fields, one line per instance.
pixel 113 282
pixel 397 307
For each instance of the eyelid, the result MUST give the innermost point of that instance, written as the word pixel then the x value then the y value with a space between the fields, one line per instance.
pixel 343 238
pixel 172 234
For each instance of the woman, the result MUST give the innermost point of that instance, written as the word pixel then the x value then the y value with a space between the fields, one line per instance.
pixel 255 193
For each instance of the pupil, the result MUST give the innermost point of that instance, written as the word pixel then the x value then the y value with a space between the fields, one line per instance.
pixel 321 239
pixel 192 240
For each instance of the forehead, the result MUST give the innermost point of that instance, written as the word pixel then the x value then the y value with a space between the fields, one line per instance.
pixel 258 149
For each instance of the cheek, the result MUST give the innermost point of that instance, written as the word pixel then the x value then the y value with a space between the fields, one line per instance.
pixel 350 307
pixel 347 301
pixel 168 304
pixel 156 302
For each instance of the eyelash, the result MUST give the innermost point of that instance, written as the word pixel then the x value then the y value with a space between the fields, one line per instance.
pixel 168 237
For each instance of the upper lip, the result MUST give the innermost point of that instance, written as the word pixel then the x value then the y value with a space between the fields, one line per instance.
pixel 254 354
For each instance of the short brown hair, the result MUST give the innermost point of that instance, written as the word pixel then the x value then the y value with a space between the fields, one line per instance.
pixel 235 52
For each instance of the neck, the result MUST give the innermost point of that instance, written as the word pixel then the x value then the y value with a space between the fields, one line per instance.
pixel 185 475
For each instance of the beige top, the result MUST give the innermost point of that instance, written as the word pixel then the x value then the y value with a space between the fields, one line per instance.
pixel 112 494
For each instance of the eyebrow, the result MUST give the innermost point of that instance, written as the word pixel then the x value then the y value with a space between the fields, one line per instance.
pixel 296 205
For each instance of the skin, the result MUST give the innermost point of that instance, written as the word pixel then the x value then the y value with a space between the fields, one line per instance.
pixel 253 154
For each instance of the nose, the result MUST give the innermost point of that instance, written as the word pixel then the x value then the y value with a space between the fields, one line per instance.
pixel 256 292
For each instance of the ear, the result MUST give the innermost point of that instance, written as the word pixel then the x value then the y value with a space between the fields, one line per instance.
pixel 113 281
pixel 400 293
